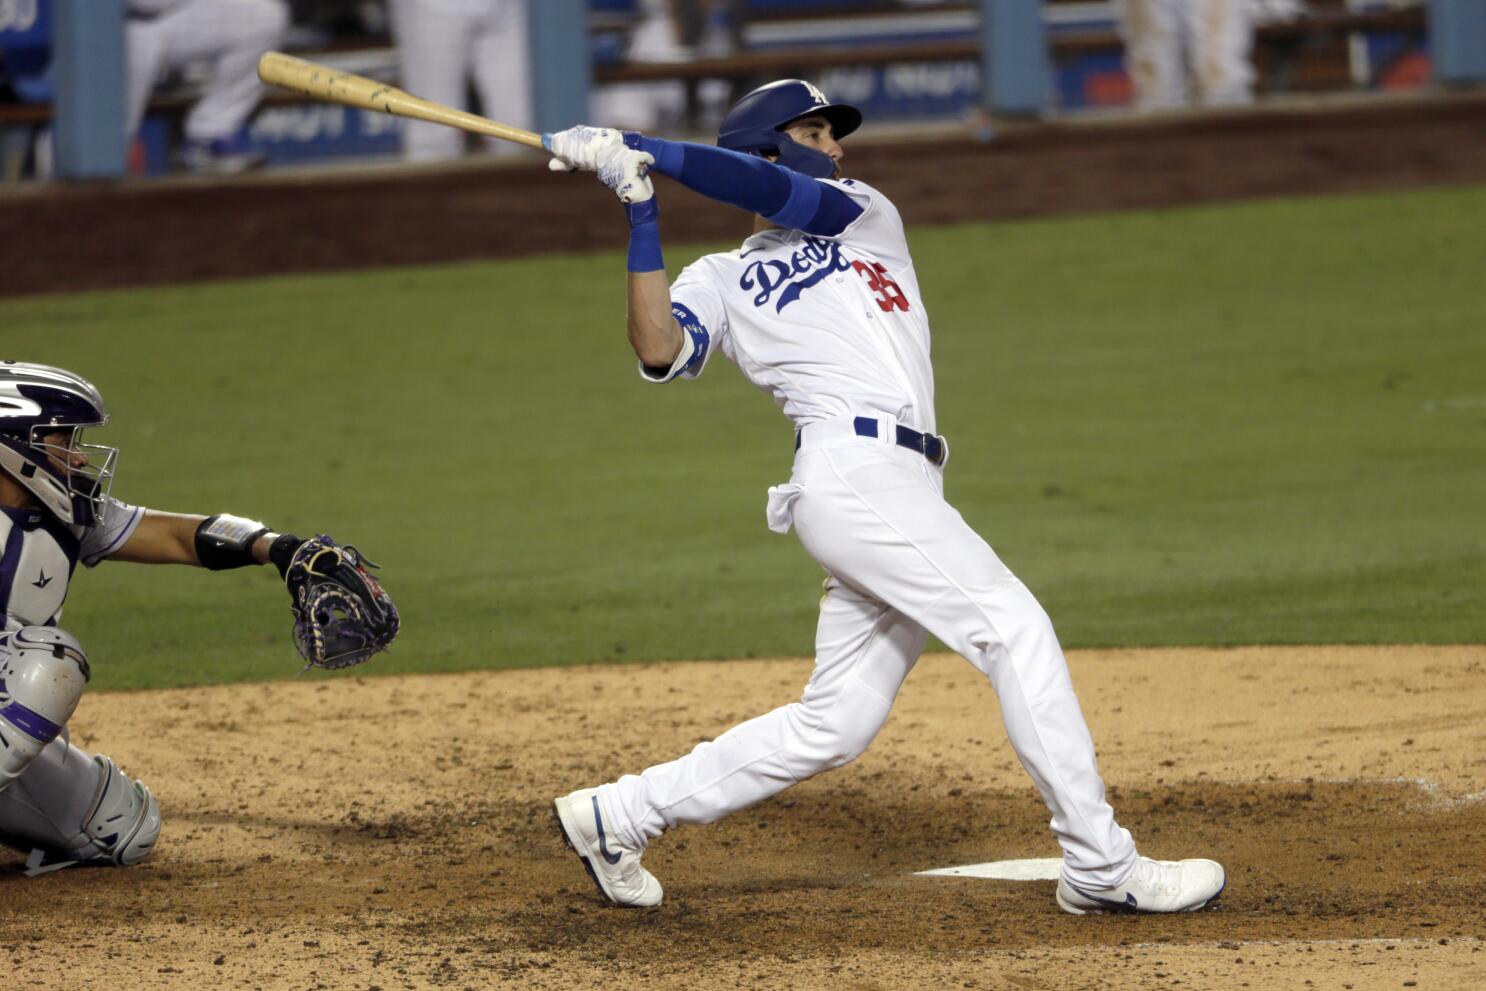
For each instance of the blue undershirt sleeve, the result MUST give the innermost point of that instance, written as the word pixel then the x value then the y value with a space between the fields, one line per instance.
pixel 780 195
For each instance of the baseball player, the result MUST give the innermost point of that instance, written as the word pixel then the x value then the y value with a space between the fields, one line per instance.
pixel 442 44
pixel 1166 40
pixel 59 803
pixel 161 35
pixel 821 309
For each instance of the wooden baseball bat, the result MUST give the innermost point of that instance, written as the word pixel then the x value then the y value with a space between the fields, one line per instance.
pixel 325 83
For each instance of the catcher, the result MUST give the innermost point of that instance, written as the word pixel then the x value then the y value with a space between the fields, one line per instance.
pixel 57 802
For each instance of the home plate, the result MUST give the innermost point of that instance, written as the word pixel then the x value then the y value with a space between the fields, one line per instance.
pixel 1004 870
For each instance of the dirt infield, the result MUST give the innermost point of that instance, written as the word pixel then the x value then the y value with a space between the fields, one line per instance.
pixel 395 833
pixel 66 238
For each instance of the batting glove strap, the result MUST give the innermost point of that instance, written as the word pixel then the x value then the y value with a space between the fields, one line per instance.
pixel 644 212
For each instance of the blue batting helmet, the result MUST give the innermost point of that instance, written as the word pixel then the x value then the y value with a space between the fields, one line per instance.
pixel 756 125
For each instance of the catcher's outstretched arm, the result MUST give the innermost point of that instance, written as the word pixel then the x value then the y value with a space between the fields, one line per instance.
pixel 215 542
pixel 342 615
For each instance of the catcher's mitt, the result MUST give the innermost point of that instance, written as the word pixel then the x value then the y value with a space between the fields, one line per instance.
pixel 341 614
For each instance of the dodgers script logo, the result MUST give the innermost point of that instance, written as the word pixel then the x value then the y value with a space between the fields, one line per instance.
pixel 806 267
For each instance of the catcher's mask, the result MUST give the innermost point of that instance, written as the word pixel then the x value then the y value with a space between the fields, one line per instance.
pixel 756 125
pixel 43 412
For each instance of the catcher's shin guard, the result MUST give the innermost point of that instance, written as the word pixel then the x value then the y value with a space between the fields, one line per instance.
pixel 69 808
pixel 42 674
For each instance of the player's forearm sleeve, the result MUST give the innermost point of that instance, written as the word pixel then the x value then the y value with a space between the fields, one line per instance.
pixel 785 197
pixel 644 237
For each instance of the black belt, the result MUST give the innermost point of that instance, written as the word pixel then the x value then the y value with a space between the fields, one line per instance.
pixel 928 445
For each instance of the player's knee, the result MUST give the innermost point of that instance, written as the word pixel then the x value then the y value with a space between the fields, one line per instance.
pixel 833 737
pixel 42 674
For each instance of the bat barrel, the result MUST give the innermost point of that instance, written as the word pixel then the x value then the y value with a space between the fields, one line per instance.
pixel 349 89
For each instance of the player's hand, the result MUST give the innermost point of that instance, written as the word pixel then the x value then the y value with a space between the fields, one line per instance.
pixel 627 172
pixel 582 147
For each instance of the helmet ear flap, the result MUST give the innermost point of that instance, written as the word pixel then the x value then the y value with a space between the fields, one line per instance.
pixel 755 125
pixel 806 161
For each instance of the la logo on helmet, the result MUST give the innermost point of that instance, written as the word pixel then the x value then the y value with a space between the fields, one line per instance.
pixel 816 94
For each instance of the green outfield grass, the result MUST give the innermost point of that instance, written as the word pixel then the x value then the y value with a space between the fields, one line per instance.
pixel 1262 423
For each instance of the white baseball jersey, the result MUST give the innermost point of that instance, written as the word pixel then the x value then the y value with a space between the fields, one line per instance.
pixel 40 553
pixel 834 329
pixel 829 327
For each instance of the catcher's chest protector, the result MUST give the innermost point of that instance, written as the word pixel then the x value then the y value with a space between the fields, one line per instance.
pixel 39 555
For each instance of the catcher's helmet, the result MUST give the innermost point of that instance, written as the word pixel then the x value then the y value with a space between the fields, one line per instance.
pixel 38 402
pixel 756 125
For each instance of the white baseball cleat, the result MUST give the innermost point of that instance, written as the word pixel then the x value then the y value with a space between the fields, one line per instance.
pixel 614 867
pixel 1154 886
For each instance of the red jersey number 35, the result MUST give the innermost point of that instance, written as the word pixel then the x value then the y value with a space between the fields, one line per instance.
pixel 889 296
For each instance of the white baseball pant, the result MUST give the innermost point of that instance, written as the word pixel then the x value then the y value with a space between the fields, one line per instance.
pixel 902 562
pixel 442 44
pixel 232 34
pixel 1165 40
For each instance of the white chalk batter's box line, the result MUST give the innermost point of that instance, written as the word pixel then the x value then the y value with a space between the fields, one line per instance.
pixel 1238 944
pixel 1433 789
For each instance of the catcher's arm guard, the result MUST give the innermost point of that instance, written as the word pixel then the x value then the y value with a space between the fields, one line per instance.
pixel 342 615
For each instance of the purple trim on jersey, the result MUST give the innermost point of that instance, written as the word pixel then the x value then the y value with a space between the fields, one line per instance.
pixel 124 534
pixel 10 560
pixel 33 724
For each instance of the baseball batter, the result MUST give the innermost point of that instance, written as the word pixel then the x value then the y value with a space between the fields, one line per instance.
pixel 821 309
pixel 57 802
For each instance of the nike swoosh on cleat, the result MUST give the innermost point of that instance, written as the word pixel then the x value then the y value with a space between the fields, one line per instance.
pixel 598 819
pixel 1128 904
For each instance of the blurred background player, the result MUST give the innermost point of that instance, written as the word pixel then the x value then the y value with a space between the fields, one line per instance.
pixel 669 31
pixel 164 35
pixel 1173 47
pixel 443 45
pixel 57 802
